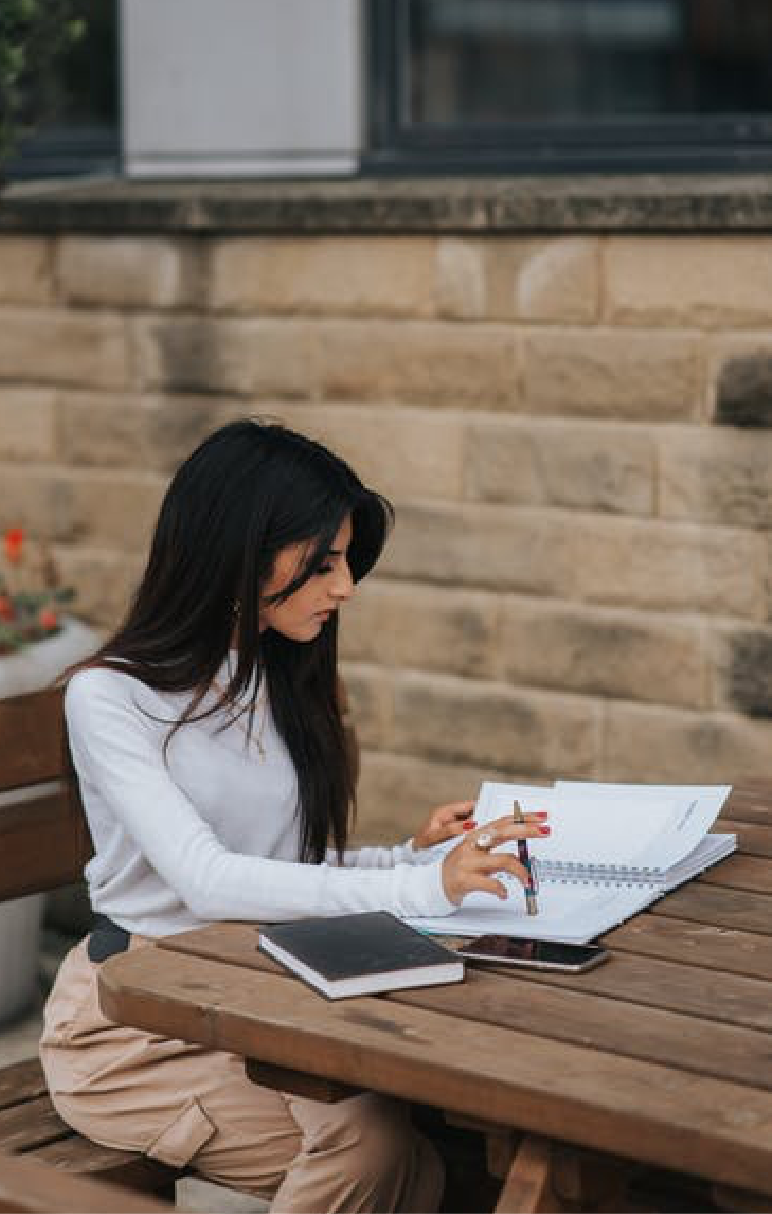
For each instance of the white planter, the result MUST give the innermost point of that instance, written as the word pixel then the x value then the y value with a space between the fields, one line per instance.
pixel 38 665
pixel 29 670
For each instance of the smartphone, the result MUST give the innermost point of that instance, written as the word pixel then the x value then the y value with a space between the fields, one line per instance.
pixel 538 954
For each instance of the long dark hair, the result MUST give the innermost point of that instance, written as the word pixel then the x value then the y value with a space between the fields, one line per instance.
pixel 249 490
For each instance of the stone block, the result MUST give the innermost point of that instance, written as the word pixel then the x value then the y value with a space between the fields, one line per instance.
pixel 617 562
pixel 101 430
pixel 27 423
pixel 483 546
pixel 424 627
pixel 256 358
pixel 461 279
pixel 701 280
pixel 601 373
pixel 594 651
pixel 176 424
pixel 479 723
pixel 716 475
pixel 344 276
pixel 104 580
pixel 559 281
pixel 74 349
pixel 397 793
pixel 39 499
pixel 661 745
pixel 122 272
pixel 749 682
pixel 472 366
pixel 25 270
pixel 671 567
pixel 148 432
pixel 402 453
pixel 113 509
pixel 516 278
pixel 744 391
pixel 587 465
pixel 371 699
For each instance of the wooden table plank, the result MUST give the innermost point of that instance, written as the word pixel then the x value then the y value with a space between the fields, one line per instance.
pixel 717 907
pixel 572 1013
pixel 720 948
pixel 751 873
pixel 631 979
pixel 748 805
pixel 752 840
pixel 636 1109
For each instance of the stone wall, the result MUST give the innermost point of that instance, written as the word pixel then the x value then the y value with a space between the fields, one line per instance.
pixel 576 430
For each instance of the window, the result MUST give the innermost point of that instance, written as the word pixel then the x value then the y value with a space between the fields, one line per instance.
pixel 73 109
pixel 533 85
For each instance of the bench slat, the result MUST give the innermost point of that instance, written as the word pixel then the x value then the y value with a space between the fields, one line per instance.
pixel 30 1187
pixel 29 1125
pixel 32 742
pixel 79 1155
pixel 21 1081
pixel 44 843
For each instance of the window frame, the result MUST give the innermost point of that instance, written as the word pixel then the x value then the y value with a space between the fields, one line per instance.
pixel 718 143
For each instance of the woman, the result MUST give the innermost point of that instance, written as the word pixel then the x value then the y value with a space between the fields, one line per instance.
pixel 209 746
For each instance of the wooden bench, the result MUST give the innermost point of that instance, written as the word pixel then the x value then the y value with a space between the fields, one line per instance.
pixel 45 844
pixel 28 1186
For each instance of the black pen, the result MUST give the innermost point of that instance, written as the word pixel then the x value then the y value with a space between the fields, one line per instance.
pixel 531 905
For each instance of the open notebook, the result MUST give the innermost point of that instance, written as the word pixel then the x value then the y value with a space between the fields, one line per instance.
pixel 614 849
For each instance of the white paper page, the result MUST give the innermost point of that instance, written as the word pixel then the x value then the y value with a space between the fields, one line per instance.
pixel 566 912
pixel 699 806
pixel 591 823
pixel 709 851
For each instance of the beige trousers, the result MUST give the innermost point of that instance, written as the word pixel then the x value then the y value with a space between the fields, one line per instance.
pixel 187 1105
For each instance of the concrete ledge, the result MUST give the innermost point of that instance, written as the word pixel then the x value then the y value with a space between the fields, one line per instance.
pixel 650 203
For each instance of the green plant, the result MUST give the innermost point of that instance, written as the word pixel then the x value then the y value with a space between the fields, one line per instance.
pixel 33 35
pixel 31 596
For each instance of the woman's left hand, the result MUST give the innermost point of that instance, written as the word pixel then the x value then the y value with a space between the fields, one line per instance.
pixel 445 822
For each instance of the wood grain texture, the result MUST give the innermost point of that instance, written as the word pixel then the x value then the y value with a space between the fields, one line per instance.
pixel 584 1095
pixel 32 742
pixel 719 948
pixel 752 839
pixel 29 1125
pixel 44 838
pixel 28 1186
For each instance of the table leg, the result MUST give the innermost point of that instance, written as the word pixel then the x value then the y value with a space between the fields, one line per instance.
pixel 551 1176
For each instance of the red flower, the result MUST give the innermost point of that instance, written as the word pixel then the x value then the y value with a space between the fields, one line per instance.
pixel 6 608
pixel 48 619
pixel 13 541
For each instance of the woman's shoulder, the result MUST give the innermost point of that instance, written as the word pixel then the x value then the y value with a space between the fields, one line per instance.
pixel 104 685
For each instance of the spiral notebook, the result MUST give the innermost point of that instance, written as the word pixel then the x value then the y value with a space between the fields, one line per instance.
pixel 613 850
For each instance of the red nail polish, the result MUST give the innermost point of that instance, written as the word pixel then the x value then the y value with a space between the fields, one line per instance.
pixel 542 813
pixel 545 830
pixel 468 825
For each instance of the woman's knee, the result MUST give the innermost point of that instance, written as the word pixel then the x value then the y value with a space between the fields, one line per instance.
pixel 372 1136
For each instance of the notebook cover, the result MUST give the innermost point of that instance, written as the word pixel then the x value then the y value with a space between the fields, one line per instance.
pixel 347 946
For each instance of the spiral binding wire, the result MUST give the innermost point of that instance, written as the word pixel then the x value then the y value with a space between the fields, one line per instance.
pixel 569 872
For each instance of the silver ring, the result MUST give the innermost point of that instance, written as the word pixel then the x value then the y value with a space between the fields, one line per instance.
pixel 484 841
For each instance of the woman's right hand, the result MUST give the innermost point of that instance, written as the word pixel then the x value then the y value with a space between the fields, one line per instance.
pixel 470 866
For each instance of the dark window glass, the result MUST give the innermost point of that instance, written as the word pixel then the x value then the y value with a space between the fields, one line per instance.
pixel 604 81
pixel 72 109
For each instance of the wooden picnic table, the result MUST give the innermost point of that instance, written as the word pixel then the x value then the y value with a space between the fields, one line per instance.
pixel 662 1056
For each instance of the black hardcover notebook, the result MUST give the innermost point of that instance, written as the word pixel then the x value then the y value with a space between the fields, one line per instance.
pixel 360 954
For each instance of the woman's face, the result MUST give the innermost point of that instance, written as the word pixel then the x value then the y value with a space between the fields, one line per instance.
pixel 302 616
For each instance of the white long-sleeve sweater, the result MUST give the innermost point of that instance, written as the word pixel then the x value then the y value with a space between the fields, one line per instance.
pixel 213 832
